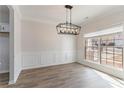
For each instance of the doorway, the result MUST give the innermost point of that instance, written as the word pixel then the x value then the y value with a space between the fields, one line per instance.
pixel 4 44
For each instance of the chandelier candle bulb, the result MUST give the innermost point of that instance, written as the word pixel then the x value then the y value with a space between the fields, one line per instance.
pixel 68 27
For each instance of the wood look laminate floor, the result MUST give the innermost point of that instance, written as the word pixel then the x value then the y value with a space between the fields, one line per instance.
pixel 71 75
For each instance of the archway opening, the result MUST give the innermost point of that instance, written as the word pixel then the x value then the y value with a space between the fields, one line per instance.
pixel 5 45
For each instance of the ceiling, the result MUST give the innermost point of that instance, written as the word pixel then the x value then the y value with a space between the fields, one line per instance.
pixel 56 13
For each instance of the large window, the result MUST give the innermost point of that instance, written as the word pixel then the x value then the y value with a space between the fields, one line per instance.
pixel 92 49
pixel 107 50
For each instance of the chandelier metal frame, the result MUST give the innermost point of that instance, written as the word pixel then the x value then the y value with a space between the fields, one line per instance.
pixel 68 27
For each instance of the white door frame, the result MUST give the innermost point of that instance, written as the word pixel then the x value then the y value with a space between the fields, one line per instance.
pixel 11 44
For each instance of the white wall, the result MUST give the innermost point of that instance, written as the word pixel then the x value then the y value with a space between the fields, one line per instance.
pixel 4 52
pixel 36 44
pixel 42 46
pixel 104 21
pixel 15 44
pixel 4 41
pixel 4 14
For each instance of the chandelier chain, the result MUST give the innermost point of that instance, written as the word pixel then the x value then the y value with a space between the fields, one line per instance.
pixel 68 27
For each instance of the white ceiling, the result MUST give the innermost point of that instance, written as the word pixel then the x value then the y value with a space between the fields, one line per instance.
pixel 56 13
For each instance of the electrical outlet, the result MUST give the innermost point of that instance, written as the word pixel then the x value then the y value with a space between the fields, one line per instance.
pixel 4 27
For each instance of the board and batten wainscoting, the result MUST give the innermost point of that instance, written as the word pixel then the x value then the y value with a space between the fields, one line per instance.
pixel 47 58
pixel 42 46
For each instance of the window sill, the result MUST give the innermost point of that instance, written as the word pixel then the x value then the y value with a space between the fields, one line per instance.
pixel 98 63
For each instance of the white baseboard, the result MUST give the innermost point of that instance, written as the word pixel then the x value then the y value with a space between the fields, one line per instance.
pixel 15 78
pixel 17 75
pixel 40 66
pixel 11 82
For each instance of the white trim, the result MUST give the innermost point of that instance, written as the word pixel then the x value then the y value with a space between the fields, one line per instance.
pixel 41 66
pixel 11 44
pixel 11 82
pixel 17 75
pixel 16 78
pixel 112 30
pixel 16 8
pixel 47 58
pixel 4 71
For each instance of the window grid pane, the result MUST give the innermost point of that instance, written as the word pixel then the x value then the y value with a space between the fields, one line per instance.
pixel 110 49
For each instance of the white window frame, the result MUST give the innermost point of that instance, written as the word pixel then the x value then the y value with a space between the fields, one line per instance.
pixel 107 31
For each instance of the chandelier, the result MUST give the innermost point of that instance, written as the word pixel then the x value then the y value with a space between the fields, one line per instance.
pixel 68 27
